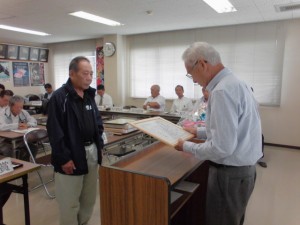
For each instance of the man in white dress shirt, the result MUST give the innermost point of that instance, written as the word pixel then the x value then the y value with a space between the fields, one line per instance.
pixel 201 101
pixel 233 131
pixel 103 99
pixel 155 102
pixel 13 118
pixel 5 95
pixel 182 103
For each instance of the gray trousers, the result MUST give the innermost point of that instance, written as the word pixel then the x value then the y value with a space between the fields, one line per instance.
pixel 228 192
pixel 76 195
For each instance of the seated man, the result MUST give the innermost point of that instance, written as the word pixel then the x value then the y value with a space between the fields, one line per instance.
pixel 103 99
pixel 155 102
pixel 202 102
pixel 5 95
pixel 181 103
pixel 14 117
pixel 49 91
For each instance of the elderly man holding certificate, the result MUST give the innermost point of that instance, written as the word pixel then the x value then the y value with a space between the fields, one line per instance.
pixel 233 131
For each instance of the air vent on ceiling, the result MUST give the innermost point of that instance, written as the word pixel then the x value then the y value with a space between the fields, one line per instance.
pixel 287 7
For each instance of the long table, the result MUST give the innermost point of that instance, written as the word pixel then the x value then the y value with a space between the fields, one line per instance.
pixel 6 188
pixel 168 116
pixel 13 137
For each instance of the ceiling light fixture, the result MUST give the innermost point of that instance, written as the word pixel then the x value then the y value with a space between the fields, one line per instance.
pixel 98 19
pixel 221 6
pixel 23 30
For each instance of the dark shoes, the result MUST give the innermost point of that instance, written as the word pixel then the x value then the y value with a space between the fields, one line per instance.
pixel 263 164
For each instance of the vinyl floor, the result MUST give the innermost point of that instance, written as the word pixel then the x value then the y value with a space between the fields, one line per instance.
pixel 275 200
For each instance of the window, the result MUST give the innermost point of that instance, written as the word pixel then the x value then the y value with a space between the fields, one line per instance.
pixel 65 52
pixel 253 52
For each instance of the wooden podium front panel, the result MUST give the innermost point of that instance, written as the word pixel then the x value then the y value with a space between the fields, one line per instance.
pixel 133 199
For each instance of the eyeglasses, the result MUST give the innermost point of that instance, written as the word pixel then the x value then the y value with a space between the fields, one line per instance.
pixel 188 74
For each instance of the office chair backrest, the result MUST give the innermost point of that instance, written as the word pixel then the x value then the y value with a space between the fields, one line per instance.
pixel 32 97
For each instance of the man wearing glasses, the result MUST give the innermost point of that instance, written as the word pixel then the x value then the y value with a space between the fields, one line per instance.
pixel 233 131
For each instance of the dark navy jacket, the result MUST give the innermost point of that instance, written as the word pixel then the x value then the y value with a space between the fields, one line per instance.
pixel 64 129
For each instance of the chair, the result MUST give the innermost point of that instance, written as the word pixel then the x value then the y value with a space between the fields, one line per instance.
pixel 36 140
pixel 33 97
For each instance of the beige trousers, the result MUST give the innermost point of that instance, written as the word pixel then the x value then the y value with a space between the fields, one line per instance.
pixel 76 195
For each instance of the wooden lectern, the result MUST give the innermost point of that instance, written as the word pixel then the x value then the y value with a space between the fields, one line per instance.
pixel 155 186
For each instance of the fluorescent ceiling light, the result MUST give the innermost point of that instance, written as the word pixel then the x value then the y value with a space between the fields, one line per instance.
pixel 221 6
pixel 95 18
pixel 23 30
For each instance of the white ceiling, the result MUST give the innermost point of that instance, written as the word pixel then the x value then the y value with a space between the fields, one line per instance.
pixel 51 16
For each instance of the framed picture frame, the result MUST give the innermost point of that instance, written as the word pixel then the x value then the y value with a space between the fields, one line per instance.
pixel 162 129
pixel 23 53
pixel 34 54
pixel 43 55
pixel 12 51
pixel 3 51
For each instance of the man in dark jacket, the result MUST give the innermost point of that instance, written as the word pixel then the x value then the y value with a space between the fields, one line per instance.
pixel 75 133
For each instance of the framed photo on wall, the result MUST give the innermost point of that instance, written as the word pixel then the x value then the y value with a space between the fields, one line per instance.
pixel 3 49
pixel 12 51
pixel 43 55
pixel 23 53
pixel 34 54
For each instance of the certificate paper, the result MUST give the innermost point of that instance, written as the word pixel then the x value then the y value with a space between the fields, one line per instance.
pixel 163 130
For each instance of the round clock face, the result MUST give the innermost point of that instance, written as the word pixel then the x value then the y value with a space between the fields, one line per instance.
pixel 109 49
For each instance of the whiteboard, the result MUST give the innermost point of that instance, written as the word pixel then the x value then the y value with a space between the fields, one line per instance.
pixel 163 130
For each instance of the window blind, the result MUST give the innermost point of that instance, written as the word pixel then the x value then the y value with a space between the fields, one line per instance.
pixel 63 53
pixel 254 52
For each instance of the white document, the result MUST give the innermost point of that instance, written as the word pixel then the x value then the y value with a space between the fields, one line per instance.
pixel 5 166
pixel 163 130
pixel 25 130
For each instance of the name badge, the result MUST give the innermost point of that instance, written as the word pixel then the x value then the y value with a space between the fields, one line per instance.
pixel 5 166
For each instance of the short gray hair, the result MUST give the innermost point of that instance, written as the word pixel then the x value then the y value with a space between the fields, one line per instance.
pixel 156 86
pixel 201 50
pixel 14 99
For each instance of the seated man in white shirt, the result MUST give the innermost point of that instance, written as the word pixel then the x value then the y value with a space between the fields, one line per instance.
pixel 155 102
pixel 5 95
pixel 182 103
pixel 103 99
pixel 14 117
pixel 202 102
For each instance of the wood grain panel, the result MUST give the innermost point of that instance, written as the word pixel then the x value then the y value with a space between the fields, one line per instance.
pixel 130 198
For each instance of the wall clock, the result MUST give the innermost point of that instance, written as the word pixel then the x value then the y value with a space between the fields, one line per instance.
pixel 109 49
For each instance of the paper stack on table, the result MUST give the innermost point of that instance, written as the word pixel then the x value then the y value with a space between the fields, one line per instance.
pixel 119 126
